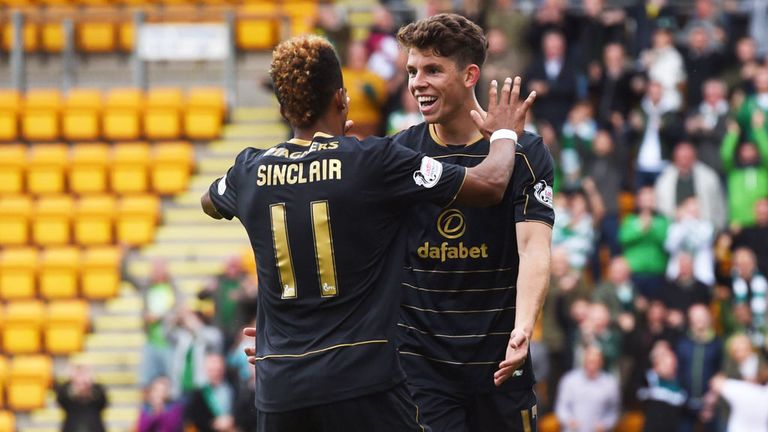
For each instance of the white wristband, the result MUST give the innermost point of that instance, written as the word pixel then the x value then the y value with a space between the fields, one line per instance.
pixel 504 134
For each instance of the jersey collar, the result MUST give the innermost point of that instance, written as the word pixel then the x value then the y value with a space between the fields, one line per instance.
pixel 441 143
pixel 306 143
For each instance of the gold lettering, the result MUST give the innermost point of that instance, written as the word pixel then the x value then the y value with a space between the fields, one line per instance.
pixel 333 145
pixel 335 170
pixel 262 178
pixel 301 179
pixel 474 252
pixel 290 173
pixel 278 174
pixel 322 146
pixel 269 175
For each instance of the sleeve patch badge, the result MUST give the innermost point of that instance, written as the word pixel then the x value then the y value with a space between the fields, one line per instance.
pixel 429 173
pixel 222 187
pixel 543 193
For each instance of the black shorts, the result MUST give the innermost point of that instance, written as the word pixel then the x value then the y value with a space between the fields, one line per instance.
pixel 511 411
pixel 389 411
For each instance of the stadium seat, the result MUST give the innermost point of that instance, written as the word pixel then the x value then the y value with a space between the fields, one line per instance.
pixel 88 168
pixel 548 423
pixel 15 213
pixel 162 119
pixel 29 378
pixel 130 162
pixel 45 172
pixel 100 273
pixel 13 161
pixel 21 331
pixel 93 220
pixel 632 421
pixel 122 115
pixel 97 33
pixel 18 268
pixel 10 105
pixel 80 120
pixel 137 218
pixel 51 222
pixel 204 113
pixel 65 326
pixel 29 33
pixel 40 118
pixel 302 16
pixel 52 28
pixel 171 167
pixel 126 36
pixel 59 271
pixel 256 27
pixel 7 421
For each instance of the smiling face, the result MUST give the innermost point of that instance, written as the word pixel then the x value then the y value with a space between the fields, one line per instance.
pixel 439 85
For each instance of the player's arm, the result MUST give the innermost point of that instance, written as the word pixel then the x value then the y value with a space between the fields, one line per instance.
pixel 485 183
pixel 208 207
pixel 534 241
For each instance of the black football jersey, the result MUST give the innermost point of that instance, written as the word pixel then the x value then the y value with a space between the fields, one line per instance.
pixel 461 266
pixel 326 222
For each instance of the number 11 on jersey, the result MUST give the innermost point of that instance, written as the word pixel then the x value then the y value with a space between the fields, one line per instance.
pixel 323 242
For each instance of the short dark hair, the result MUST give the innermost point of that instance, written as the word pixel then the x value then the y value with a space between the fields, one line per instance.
pixel 305 73
pixel 448 35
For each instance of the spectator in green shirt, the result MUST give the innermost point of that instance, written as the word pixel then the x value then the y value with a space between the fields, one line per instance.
pixel 747 168
pixel 642 235
pixel 160 299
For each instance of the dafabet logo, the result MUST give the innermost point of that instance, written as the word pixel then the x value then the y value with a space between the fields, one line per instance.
pixel 452 225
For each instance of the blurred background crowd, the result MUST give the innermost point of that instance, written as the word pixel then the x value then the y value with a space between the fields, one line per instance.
pixel 656 113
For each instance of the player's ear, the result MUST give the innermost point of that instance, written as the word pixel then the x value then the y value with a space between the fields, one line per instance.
pixel 471 75
pixel 341 99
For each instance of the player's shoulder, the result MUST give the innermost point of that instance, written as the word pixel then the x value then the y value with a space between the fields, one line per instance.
pixel 531 143
pixel 411 137
pixel 247 154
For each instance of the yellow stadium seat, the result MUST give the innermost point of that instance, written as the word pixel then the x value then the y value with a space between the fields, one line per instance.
pixel 13 160
pixel 93 220
pixel 15 212
pixel 30 34
pixel 137 218
pixel 21 332
pixel 45 173
pixel 122 115
pixel 59 271
pixel 204 113
pixel 40 119
pixel 88 168
pixel 171 167
pixel 100 274
pixel 256 27
pixel 51 222
pixel 126 36
pixel 548 423
pixel 65 326
pixel 302 16
pixel 7 421
pixel 30 377
pixel 52 29
pixel 162 119
pixel 18 268
pixel 80 120
pixel 10 104
pixel 632 421
pixel 130 162
pixel 97 33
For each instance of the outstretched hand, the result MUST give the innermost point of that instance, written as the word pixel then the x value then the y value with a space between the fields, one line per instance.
pixel 517 352
pixel 505 111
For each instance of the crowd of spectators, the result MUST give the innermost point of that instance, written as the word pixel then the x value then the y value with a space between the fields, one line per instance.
pixel 655 113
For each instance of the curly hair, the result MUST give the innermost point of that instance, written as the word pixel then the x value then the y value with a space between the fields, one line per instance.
pixel 305 73
pixel 448 35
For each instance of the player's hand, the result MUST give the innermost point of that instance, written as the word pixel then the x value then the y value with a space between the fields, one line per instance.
pixel 348 126
pixel 517 352
pixel 505 111
pixel 250 351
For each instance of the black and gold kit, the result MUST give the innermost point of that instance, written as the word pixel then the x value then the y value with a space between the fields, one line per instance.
pixel 326 222
pixel 459 294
